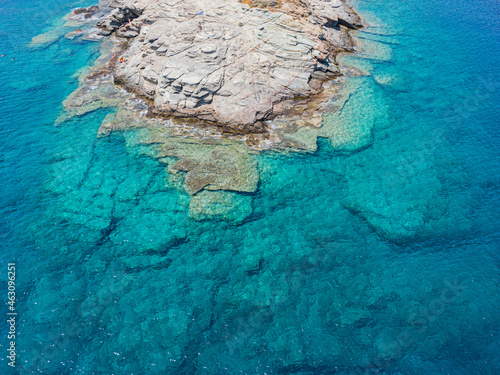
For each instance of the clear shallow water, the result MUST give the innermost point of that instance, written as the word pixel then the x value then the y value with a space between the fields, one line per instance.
pixel 383 260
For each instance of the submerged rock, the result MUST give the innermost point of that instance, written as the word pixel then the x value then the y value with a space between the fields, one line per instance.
pixel 73 34
pixel 222 169
pixel 220 205
pixel 46 39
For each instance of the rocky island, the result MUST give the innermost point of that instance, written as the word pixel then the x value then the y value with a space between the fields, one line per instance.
pixel 232 63
pixel 211 83
pixel 228 62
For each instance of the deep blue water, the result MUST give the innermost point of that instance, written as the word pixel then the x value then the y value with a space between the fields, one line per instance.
pixel 383 260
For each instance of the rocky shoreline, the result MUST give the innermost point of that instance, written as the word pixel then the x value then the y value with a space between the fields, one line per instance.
pixel 206 85
pixel 225 61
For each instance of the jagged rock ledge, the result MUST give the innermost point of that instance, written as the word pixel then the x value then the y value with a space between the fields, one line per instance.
pixel 233 63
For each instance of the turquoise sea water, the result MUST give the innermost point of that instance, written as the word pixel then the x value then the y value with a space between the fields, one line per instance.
pixel 379 260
